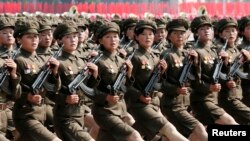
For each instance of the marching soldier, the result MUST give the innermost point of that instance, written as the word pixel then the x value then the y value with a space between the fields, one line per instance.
pixel 43 50
pixel 231 93
pixel 70 109
pixel 145 108
pixel 244 26
pixel 160 40
pixel 109 108
pixel 175 100
pixel 10 84
pixel 29 110
pixel 127 42
pixel 85 52
pixel 204 98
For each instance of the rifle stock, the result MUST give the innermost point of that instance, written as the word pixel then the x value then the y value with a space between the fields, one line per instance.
pixel 235 68
pixel 43 74
pixel 156 73
pixel 83 75
pixel 120 78
pixel 4 70
pixel 219 63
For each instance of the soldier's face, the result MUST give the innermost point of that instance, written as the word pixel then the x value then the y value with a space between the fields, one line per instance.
pixel 70 42
pixel 246 32
pixel 160 34
pixel 146 38
pixel 205 33
pixel 82 36
pixel 177 38
pixel 229 33
pixel 110 41
pixel 45 38
pixel 130 32
pixel 29 42
pixel 6 36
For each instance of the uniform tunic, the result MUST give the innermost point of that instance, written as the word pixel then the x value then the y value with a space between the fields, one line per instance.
pixel 175 105
pixel 69 118
pixel 231 99
pixel 204 103
pixel 149 119
pixel 49 100
pixel 28 117
pixel 245 83
pixel 8 92
pixel 109 117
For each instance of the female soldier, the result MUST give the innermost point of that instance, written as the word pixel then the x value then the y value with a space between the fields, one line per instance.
pixel 244 29
pixel 109 108
pixel 43 50
pixel 29 109
pixel 175 100
pixel 9 85
pixel 204 98
pixel 231 93
pixel 70 109
pixel 145 108
pixel 160 40
pixel 127 42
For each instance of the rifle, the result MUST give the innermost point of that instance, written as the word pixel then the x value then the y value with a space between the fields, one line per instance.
pixel 234 69
pixel 4 70
pixel 43 74
pixel 218 65
pixel 82 75
pixel 156 45
pixel 120 78
pixel 188 62
pixel 156 73
pixel 127 45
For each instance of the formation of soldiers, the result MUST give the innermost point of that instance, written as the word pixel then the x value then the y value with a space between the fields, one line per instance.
pixel 72 79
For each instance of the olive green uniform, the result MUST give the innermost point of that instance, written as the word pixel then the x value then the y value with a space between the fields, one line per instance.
pixel 9 90
pixel 204 103
pixel 230 100
pixel 148 118
pixel 49 100
pixel 29 118
pixel 109 117
pixel 245 83
pixel 69 119
pixel 175 105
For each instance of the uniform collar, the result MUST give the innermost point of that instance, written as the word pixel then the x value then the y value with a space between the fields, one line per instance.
pixel 110 54
pixel 42 50
pixel 202 45
pixel 27 54
pixel 69 55
pixel 144 51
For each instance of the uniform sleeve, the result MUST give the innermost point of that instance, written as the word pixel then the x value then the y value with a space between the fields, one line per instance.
pixel 100 97
pixel 134 93
pixel 15 86
pixel 22 97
